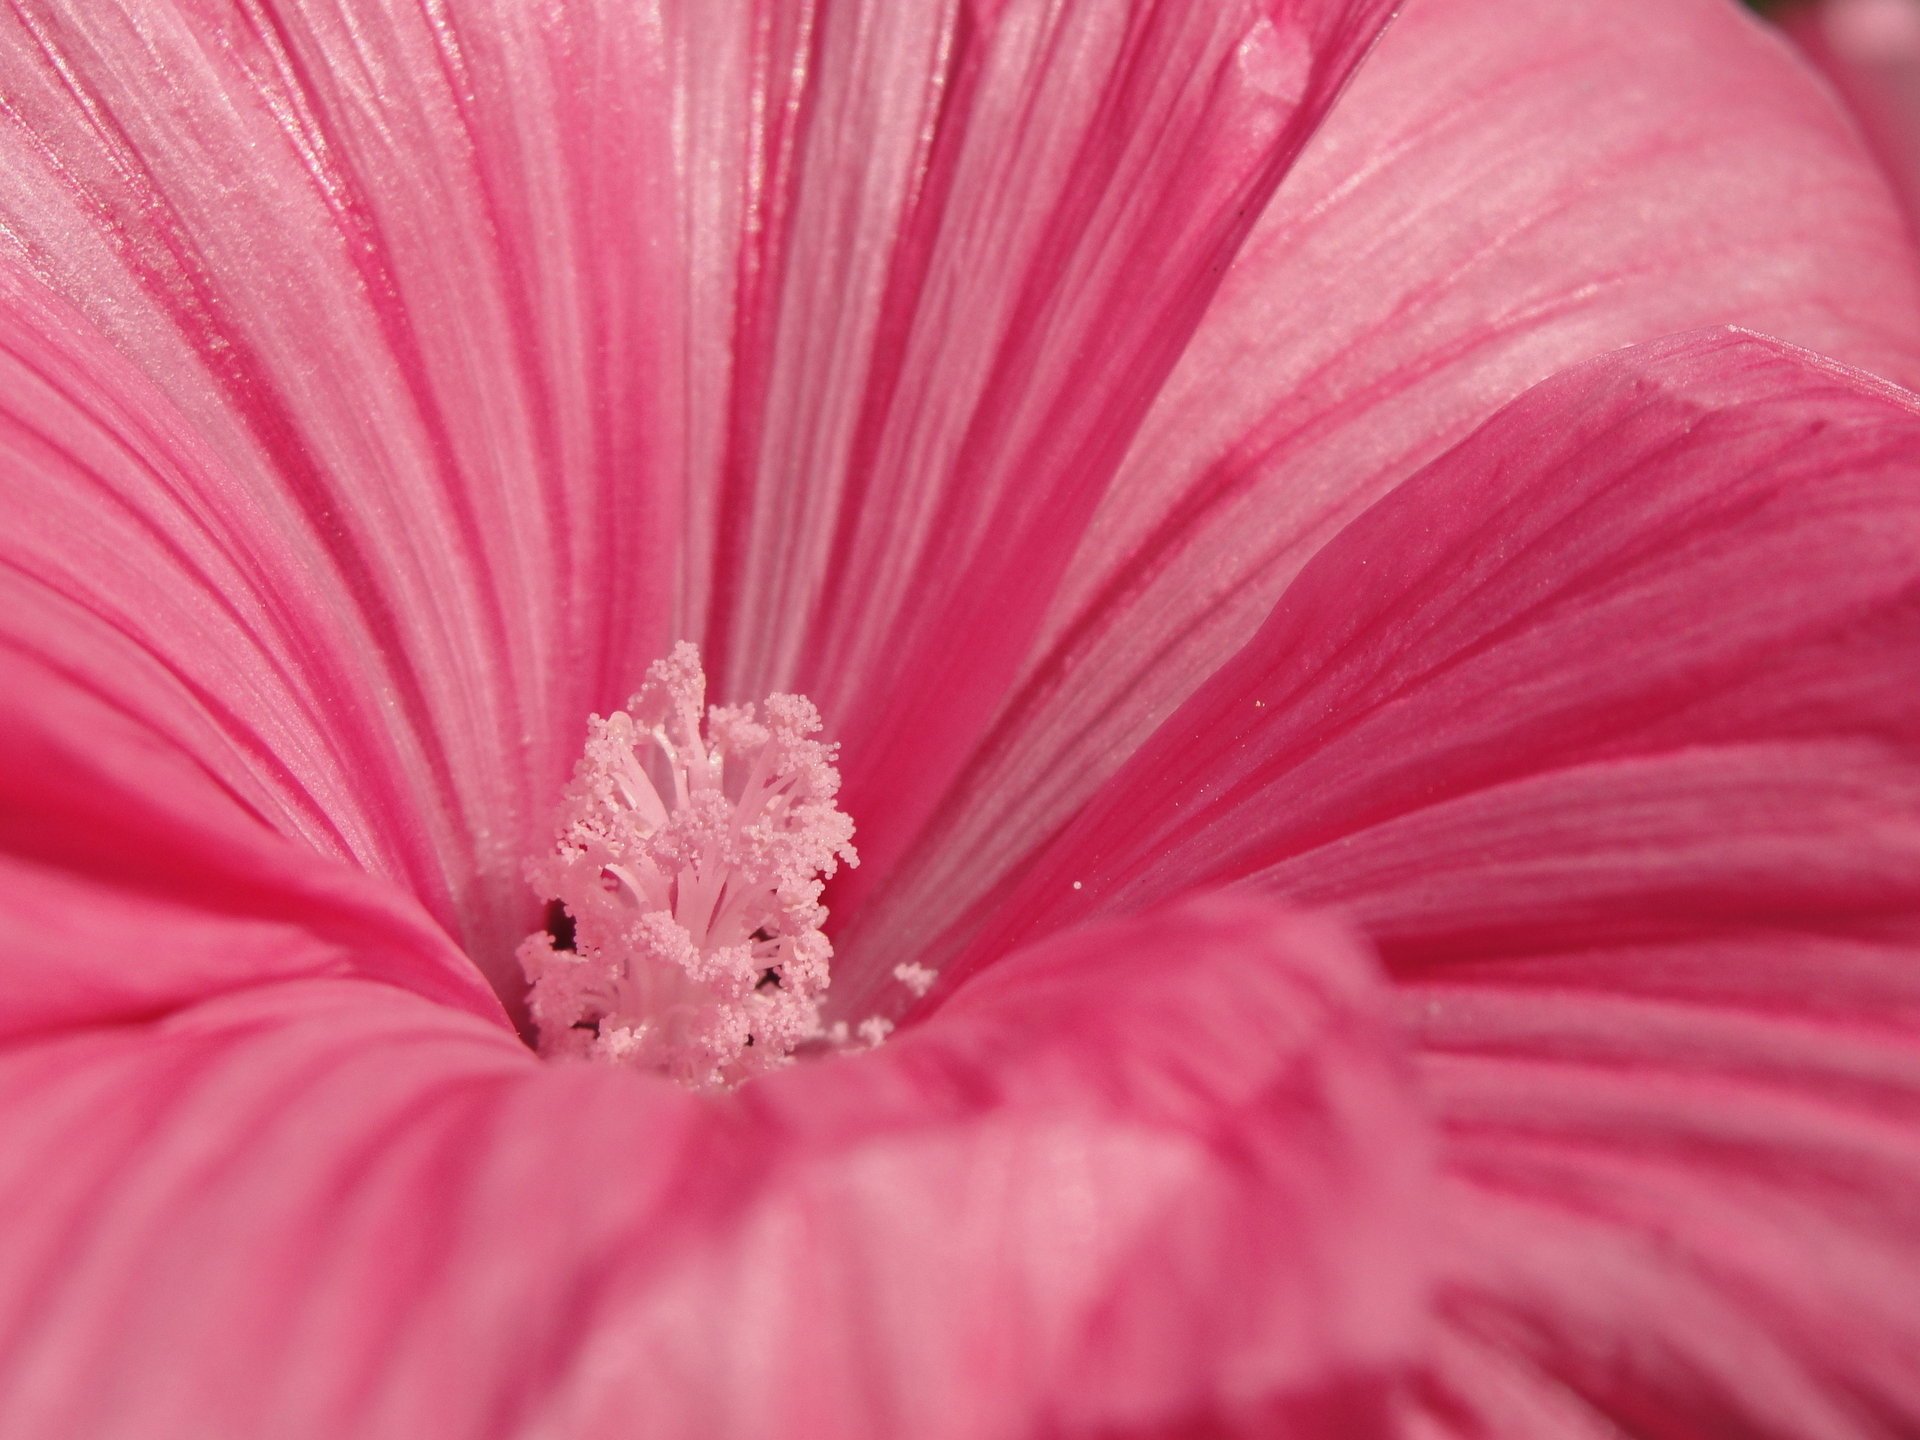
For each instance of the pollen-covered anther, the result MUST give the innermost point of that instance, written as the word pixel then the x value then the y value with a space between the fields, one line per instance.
pixel 917 978
pixel 691 857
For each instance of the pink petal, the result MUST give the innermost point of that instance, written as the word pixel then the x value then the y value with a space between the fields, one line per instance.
pixel 172 785
pixel 987 259
pixel 1681 1187
pixel 1682 554
pixel 1506 190
pixel 1870 51
pixel 1152 1176
pixel 132 882
pixel 358 404
pixel 1602 728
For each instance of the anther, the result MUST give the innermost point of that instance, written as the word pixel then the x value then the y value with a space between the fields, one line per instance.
pixel 690 860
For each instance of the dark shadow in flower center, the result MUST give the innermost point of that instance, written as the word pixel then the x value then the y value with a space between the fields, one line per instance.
pixel 559 926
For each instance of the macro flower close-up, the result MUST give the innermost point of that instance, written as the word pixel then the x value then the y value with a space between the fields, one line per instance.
pixel 954 719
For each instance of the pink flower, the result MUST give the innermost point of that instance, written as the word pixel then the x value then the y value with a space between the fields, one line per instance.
pixel 1396 882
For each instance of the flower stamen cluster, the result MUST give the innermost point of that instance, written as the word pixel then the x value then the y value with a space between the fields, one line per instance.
pixel 690 859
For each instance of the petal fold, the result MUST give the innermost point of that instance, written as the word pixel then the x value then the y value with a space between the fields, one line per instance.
pixel 1146 1177
pixel 133 883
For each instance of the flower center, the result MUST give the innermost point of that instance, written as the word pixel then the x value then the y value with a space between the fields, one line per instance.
pixel 690 858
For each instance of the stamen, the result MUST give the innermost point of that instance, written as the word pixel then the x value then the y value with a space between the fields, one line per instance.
pixel 691 861
pixel 917 978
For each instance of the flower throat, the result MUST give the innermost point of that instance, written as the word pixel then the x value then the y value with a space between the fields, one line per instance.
pixel 692 848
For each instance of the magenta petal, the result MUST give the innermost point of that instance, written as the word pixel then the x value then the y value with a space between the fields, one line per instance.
pixel 983 256
pixel 132 883
pixel 1684 553
pixel 1602 728
pixel 1146 1177
pixel 1680 1193
pixel 179 813
pixel 143 575
pixel 1505 190
pixel 377 357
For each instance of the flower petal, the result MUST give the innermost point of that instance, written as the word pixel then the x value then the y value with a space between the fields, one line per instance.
pixel 1145 1176
pixel 1602 728
pixel 1504 191
pixel 1870 50
pixel 1680 1187
pixel 361 299
pixel 987 255
pixel 171 788
pixel 1707 542
pixel 132 882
